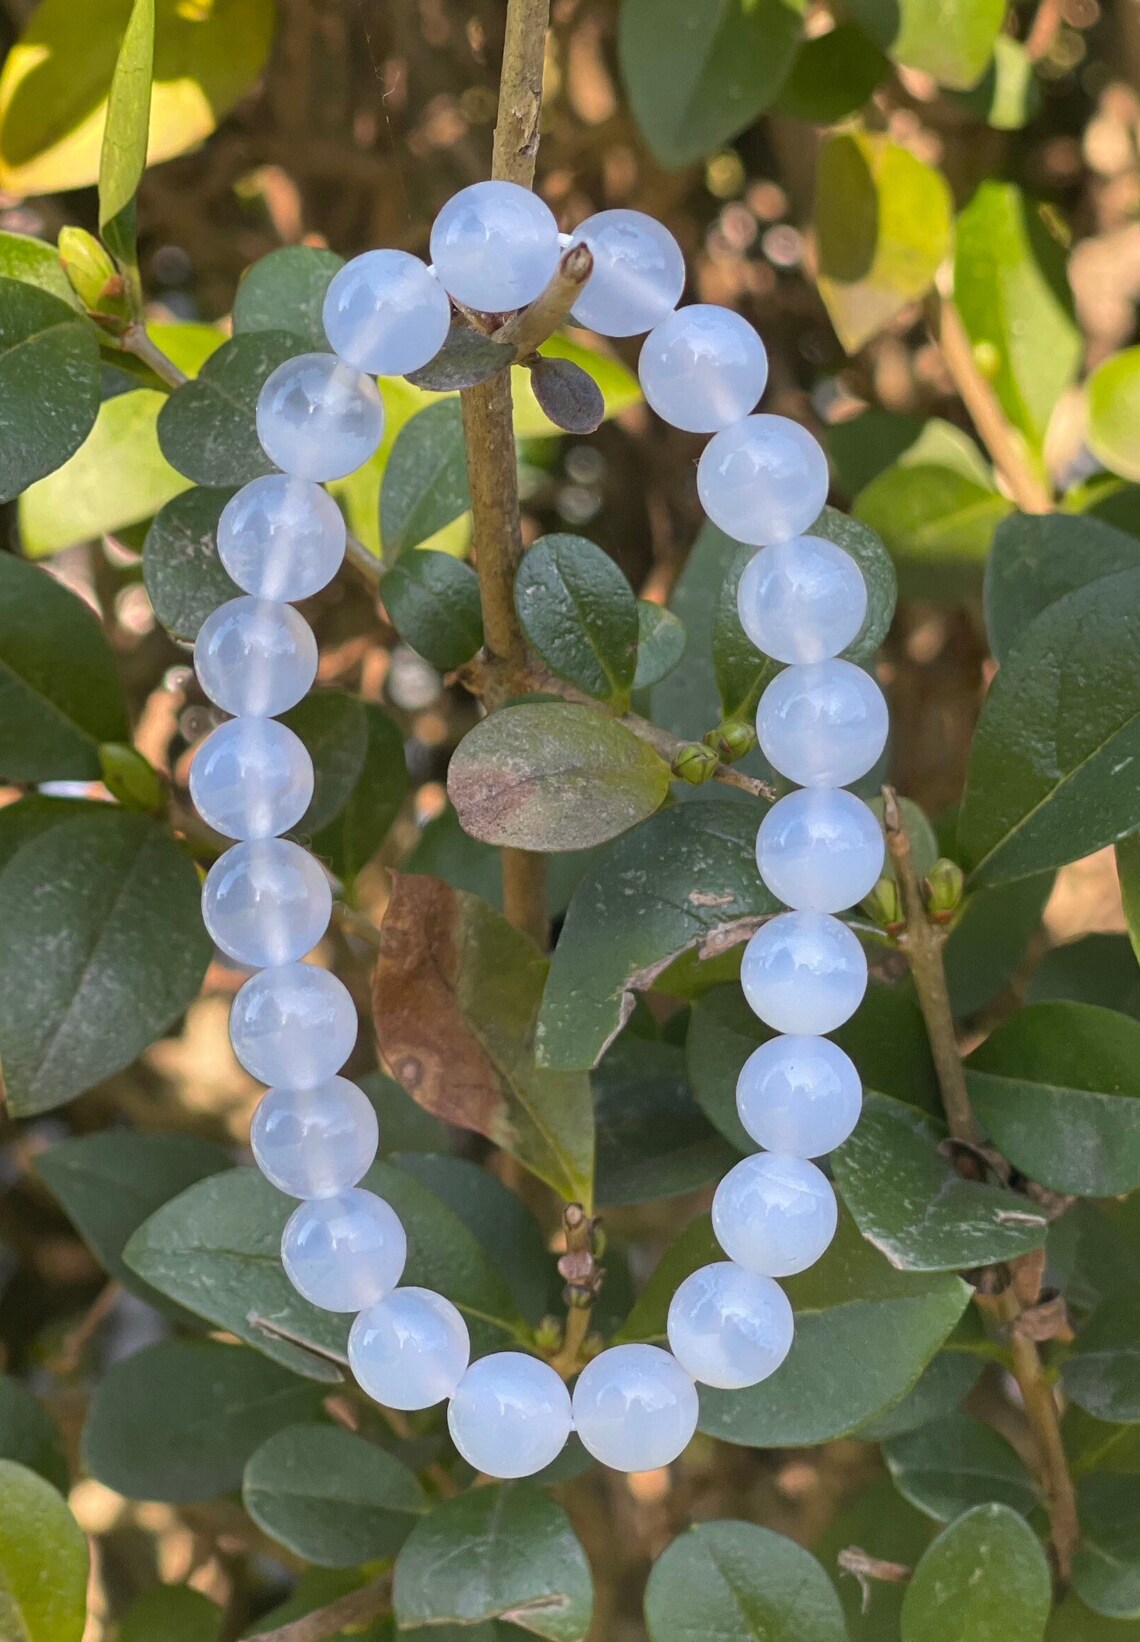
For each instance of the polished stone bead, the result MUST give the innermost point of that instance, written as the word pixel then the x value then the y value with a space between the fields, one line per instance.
pixel 774 1215
pixel 799 1095
pixel 318 418
pixel 703 368
pixel 763 480
pixel 385 312
pixel 411 1350
pixel 729 1327
pixel 315 1142
pixel 802 600
pixel 294 1025
pixel 820 849
pixel 255 656
pixel 345 1252
pixel 281 538
pixel 635 1408
pixel 266 902
pixel 804 972
pixel 638 277
pixel 822 725
pixel 495 246
pixel 251 778
pixel 510 1415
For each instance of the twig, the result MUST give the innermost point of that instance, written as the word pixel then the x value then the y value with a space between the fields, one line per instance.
pixel 669 745
pixel 530 327
pixel 362 560
pixel 520 91
pixel 135 340
pixel 358 1608
pixel 583 1275
pixel 1043 31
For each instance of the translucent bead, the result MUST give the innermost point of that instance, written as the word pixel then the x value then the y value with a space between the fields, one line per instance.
pixel 266 902
pixel 635 1408
pixel 729 1327
pixel 774 1215
pixel 385 312
pixel 820 850
pixel 638 277
pixel 823 725
pixel 315 1142
pixel 801 1096
pixel 763 480
pixel 345 1252
pixel 255 656
pixel 319 418
pixel 251 778
pixel 703 368
pixel 411 1350
pixel 510 1415
pixel 494 246
pixel 293 1025
pixel 804 972
pixel 281 538
pixel 802 600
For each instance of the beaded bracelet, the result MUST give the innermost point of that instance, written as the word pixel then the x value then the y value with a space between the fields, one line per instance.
pixel 822 723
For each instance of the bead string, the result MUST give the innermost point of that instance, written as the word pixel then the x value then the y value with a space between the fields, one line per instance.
pixel 822 723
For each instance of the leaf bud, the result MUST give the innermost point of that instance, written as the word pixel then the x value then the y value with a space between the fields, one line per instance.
pixel 695 764
pixel 731 740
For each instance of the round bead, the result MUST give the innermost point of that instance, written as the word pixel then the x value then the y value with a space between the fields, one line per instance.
pixel 255 656
pixel 823 725
pixel 411 1350
pixel 635 1408
pixel 494 246
pixel 281 538
pixel 703 368
pixel 763 480
pixel 251 778
pixel 294 1025
pixel 820 850
pixel 315 1142
pixel 510 1415
pixel 802 600
pixel 385 312
pixel 774 1215
pixel 729 1327
pixel 801 1096
pixel 345 1252
pixel 804 972
pixel 638 277
pixel 266 902
pixel 318 418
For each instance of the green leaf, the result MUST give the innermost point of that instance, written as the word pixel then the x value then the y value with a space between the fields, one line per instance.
pixel 742 671
pixel 687 702
pixel 948 1377
pixel 1106 1568
pixel 125 134
pixel 660 643
pixel 330 1496
pixel 1056 1087
pixel 989 938
pixel 1097 969
pixel 984 1579
pixel 35 262
pixel 433 602
pixel 502 1552
pixel 1102 1372
pixel 43 1561
pixel 285 291
pixel 1008 95
pixel 832 76
pixel 874 561
pixel 28 1434
pixel 425 480
pixel 49 383
pixel 1113 394
pixel 697 77
pixel 579 613
pixel 184 577
pixel 176 1613
pixel 653 1139
pixel 951 40
pixel 361 777
pixel 882 1524
pixel 735 1582
pixel 955 1463
pixel 935 515
pixel 207 427
pixel 1128 871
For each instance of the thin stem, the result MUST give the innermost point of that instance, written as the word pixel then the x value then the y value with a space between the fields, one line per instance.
pixel 524 894
pixel 362 560
pixel 358 1609
pixel 135 340
pixel 520 91
pixel 669 745
pixel 1044 30
pixel 583 1277
pixel 530 327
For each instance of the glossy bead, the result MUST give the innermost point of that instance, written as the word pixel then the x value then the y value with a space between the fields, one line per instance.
pixel 703 368
pixel 510 1415
pixel 802 600
pixel 251 778
pixel 318 418
pixel 315 1142
pixel 635 1408
pixel 385 312
pixel 494 246
pixel 281 538
pixel 822 725
pixel 638 277
pixel 266 902
pixel 798 1095
pixel 294 1025
pixel 411 1350
pixel 820 850
pixel 729 1327
pixel 763 480
pixel 345 1252
pixel 804 972
pixel 774 1215
pixel 255 656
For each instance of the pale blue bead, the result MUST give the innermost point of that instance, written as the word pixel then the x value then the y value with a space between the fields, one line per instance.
pixel 251 778
pixel 729 1327
pixel 266 902
pixel 345 1252
pixel 318 418
pixel 255 656
pixel 802 600
pixel 281 538
pixel 635 1408
pixel 703 368
pixel 315 1142
pixel 294 1025
pixel 774 1215
pixel 385 312
pixel 638 277
pixel 804 972
pixel 411 1350
pixel 510 1415
pixel 820 850
pixel 494 246
pixel 799 1095
pixel 823 725
pixel 763 480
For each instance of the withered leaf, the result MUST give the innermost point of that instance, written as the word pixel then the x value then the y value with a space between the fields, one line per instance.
pixel 568 394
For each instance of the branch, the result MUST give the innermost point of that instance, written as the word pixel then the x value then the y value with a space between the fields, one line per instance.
pixel 669 745
pixel 358 1608
pixel 135 340
pixel 583 1275
pixel 530 327
pixel 520 91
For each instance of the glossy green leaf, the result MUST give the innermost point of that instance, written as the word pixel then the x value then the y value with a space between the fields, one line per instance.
pixel 1098 969
pixel 660 643
pixel 1102 1372
pixel 125 135
pixel 176 1613
pixel 28 1434
pixel 43 1561
pixel 687 700
pixel 869 553
pixel 948 1377
pixel 863 446
pixel 35 262
pixel 360 777
pixel 184 577
pixel 653 1139
pixel 433 602
pixel 425 480
pixel 951 40
pixel 989 938
pixel 934 515
pixel 955 1463
pixel 579 613
pixel 207 428
pixel 1008 95
pixel 735 1582
pixel 1106 1567
pixel 984 1579
pixel 1113 393
pixel 49 383
pixel 285 291
pixel 832 76
pixel 1128 872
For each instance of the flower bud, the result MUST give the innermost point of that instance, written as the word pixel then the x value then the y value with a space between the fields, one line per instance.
pixel 731 740
pixel 128 777
pixel 695 764
pixel 95 279
pixel 883 906
pixel 943 885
